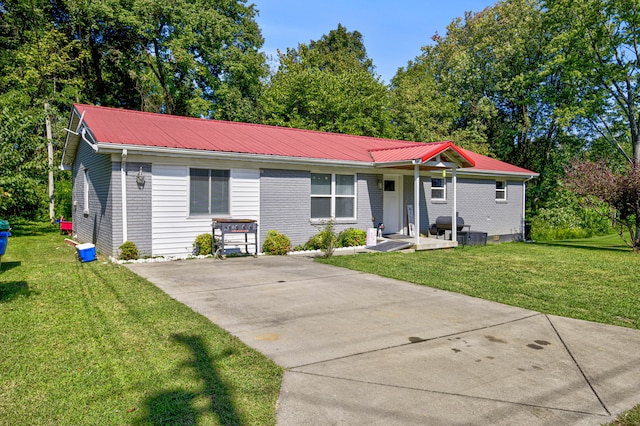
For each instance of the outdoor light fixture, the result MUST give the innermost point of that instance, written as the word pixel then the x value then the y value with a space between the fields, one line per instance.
pixel 140 177
pixel 379 183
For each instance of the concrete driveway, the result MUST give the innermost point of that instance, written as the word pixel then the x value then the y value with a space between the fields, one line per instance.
pixel 361 349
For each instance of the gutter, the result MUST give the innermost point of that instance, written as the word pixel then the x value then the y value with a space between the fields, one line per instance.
pixel 123 192
pixel 494 173
pixel 111 148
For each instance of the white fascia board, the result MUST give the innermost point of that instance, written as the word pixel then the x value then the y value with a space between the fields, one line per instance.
pixel 111 148
pixel 389 164
pixel 71 143
pixel 494 173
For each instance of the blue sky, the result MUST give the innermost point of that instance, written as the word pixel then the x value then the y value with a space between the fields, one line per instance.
pixel 393 30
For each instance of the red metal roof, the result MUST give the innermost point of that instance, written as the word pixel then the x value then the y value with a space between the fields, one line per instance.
pixel 422 151
pixel 125 127
pixel 488 164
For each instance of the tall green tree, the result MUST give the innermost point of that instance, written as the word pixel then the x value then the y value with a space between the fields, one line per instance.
pixel 185 57
pixel 423 110
pixel 328 85
pixel 487 75
pixel 595 48
pixel 38 67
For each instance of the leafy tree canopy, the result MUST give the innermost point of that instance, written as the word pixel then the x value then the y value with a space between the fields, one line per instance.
pixel 595 49
pixel 184 57
pixel 328 85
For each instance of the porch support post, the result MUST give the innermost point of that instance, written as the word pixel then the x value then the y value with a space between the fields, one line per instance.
pixel 416 203
pixel 454 217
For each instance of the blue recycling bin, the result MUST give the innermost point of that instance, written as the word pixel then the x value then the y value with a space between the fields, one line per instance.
pixel 4 239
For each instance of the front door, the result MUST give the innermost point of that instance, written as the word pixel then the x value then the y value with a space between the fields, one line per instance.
pixel 392 204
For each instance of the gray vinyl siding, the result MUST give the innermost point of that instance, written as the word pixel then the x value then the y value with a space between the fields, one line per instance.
pixel 94 226
pixel 102 225
pixel 477 205
pixel 138 208
pixel 285 204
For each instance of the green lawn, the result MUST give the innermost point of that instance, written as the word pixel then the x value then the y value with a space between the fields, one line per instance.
pixel 595 279
pixel 92 343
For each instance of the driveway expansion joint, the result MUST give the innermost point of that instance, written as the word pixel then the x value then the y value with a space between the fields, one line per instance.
pixel 578 366
pixel 480 398
pixel 430 339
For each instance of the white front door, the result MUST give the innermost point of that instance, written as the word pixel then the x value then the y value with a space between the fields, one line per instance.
pixel 392 204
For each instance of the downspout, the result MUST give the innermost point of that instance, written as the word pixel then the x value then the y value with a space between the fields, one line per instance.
pixel 416 202
pixel 123 182
pixel 454 216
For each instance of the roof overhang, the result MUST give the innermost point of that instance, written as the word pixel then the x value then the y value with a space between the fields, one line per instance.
pixel 76 133
pixel 111 148
pixel 496 174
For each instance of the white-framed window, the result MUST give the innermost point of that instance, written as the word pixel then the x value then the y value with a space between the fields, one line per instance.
pixel 333 196
pixel 438 188
pixel 208 192
pixel 501 190
pixel 85 194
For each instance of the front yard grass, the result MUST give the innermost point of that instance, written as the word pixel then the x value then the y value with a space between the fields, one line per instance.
pixel 92 343
pixel 594 280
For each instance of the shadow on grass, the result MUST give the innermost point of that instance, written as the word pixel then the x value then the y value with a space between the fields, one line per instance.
pixel 179 406
pixel 5 266
pixel 586 246
pixel 14 289
pixel 22 228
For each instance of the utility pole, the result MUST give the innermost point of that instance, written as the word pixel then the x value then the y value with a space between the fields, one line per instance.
pixel 50 156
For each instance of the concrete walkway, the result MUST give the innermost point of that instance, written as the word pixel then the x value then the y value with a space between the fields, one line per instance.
pixel 361 349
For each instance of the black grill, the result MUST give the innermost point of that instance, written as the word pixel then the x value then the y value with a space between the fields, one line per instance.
pixel 224 227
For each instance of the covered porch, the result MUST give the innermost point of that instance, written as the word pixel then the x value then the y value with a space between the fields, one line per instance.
pixel 443 158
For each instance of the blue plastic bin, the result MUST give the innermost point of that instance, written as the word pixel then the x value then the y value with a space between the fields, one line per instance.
pixel 4 238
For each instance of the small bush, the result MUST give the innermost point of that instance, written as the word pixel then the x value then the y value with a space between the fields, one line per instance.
pixel 128 251
pixel 328 239
pixel 204 242
pixel 314 243
pixel 352 237
pixel 276 243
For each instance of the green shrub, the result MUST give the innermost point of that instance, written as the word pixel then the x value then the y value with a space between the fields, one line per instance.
pixel 314 243
pixel 352 237
pixel 203 241
pixel 128 251
pixel 327 240
pixel 563 223
pixel 276 243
